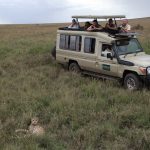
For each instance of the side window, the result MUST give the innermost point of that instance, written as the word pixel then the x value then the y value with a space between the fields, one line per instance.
pixel 107 49
pixel 67 41
pixel 89 45
pixel 62 41
pixel 72 42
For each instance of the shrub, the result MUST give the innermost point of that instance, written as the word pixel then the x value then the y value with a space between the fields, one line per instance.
pixel 138 27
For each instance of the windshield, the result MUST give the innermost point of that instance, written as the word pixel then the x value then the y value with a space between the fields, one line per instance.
pixel 128 46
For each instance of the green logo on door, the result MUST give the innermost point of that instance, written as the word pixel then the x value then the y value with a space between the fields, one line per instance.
pixel 106 67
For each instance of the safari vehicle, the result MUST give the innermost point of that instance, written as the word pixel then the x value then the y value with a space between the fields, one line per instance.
pixel 84 51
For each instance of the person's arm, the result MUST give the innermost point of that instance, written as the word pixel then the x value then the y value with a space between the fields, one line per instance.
pixel 91 28
pixel 122 28
pixel 99 28
pixel 70 26
pixel 108 27
pixel 128 28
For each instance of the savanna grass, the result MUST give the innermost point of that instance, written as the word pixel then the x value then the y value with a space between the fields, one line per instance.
pixel 77 112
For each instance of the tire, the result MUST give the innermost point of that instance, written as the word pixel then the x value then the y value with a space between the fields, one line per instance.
pixel 74 67
pixel 132 82
pixel 53 52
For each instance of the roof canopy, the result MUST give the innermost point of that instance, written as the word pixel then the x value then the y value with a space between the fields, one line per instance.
pixel 99 17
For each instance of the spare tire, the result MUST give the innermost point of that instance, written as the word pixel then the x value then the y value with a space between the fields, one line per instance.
pixel 53 52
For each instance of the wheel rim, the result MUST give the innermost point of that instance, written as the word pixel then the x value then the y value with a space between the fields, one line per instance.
pixel 131 85
pixel 73 69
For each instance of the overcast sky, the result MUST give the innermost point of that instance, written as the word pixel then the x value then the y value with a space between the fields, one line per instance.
pixel 54 11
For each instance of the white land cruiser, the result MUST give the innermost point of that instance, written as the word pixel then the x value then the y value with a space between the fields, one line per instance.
pixel 100 53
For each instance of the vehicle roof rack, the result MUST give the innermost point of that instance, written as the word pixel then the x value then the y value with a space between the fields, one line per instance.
pixel 99 17
pixel 128 34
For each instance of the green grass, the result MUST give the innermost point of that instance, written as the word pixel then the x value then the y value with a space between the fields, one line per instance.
pixel 77 112
pixel 146 46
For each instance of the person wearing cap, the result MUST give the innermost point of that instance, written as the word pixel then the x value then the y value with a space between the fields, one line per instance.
pixel 95 26
pixel 125 27
pixel 74 25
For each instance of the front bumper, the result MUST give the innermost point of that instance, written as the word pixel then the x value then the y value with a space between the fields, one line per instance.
pixel 146 80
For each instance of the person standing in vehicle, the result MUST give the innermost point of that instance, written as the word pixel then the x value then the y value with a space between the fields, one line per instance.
pixel 95 26
pixel 110 27
pixel 74 25
pixel 87 25
pixel 125 27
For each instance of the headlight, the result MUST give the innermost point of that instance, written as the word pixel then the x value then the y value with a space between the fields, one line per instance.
pixel 143 70
pixel 148 70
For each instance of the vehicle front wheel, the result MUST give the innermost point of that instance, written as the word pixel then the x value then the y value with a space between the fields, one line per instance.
pixel 74 67
pixel 132 82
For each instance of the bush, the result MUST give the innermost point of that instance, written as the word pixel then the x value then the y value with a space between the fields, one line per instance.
pixel 138 27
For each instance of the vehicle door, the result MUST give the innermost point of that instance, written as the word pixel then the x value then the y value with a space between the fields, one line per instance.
pixel 88 56
pixel 107 61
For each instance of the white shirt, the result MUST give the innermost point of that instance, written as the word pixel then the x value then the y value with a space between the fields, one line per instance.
pixel 107 51
pixel 76 26
pixel 126 28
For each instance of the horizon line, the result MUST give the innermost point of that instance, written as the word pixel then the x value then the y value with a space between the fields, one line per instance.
pixel 44 23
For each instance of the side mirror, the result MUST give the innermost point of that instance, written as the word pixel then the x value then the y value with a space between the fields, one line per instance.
pixel 109 55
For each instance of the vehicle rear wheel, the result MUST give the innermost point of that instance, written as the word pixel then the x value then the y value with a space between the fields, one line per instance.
pixel 53 52
pixel 74 67
pixel 132 82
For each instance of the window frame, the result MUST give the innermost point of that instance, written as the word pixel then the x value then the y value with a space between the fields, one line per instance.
pixel 66 44
pixel 91 46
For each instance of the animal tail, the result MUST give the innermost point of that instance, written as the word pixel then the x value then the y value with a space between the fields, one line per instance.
pixel 22 130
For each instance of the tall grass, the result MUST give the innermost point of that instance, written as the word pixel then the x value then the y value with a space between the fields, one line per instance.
pixel 77 112
pixel 146 46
